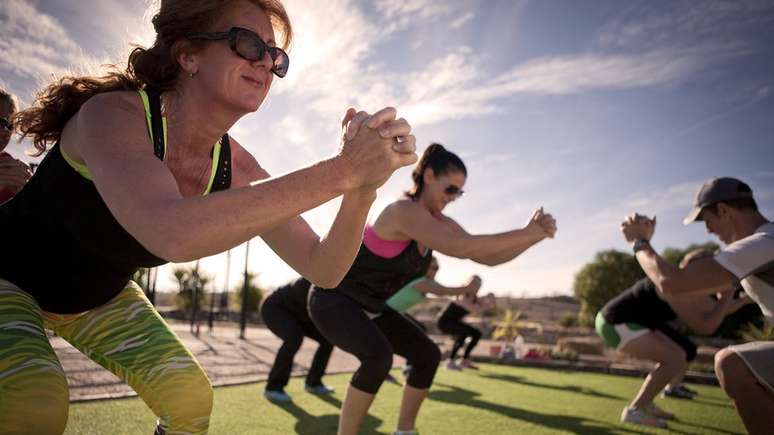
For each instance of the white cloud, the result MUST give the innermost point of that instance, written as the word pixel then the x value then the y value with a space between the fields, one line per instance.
pixel 34 44
pixel 459 22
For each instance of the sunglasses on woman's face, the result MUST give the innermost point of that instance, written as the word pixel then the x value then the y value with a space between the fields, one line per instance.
pixel 453 190
pixel 248 45
pixel 6 124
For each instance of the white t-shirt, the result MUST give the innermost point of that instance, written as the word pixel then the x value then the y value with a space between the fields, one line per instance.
pixel 752 261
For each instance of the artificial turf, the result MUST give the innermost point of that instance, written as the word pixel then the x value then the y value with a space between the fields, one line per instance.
pixel 494 400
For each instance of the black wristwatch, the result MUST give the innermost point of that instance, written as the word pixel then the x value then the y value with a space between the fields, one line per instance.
pixel 640 244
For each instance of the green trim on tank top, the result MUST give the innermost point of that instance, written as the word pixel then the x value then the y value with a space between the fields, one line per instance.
pixel 83 170
pixel 79 167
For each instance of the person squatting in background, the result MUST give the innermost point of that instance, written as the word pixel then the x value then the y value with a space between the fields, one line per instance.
pixel 451 322
pixel 285 313
pixel 639 322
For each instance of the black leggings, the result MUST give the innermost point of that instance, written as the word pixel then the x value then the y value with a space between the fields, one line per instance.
pixel 415 322
pixel 461 331
pixel 374 341
pixel 292 328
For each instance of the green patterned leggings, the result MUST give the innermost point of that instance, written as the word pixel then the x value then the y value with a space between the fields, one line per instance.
pixel 126 336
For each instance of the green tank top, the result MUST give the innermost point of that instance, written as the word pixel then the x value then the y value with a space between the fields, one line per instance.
pixel 406 297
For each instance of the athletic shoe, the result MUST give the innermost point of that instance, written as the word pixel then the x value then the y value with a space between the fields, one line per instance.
pixel 694 392
pixel 450 365
pixel 651 408
pixel 318 389
pixel 678 392
pixel 465 363
pixel 276 396
pixel 640 416
pixel 406 432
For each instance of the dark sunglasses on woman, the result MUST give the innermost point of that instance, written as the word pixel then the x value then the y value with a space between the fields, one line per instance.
pixel 6 124
pixel 453 190
pixel 248 45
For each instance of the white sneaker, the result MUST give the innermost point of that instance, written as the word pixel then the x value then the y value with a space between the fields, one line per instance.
pixel 641 416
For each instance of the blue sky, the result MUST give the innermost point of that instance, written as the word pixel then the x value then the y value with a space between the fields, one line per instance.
pixel 590 109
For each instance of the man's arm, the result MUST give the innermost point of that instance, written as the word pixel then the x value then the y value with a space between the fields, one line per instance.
pixel 705 276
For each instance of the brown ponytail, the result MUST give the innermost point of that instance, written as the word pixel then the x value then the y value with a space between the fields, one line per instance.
pixel 441 161
pixel 152 67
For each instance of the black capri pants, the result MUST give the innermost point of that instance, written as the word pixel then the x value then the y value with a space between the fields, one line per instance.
pixel 461 331
pixel 292 327
pixel 374 341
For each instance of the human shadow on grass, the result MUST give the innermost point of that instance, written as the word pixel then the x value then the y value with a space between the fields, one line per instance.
pixel 463 397
pixel 717 403
pixel 572 388
pixel 703 428
pixel 308 424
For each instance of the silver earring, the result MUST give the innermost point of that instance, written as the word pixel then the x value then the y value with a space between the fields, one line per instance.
pixel 192 74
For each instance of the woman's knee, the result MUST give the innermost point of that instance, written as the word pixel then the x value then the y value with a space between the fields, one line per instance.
pixel 378 360
pixel 423 370
pixel 21 413
pixel 374 367
pixel 292 343
pixel 430 355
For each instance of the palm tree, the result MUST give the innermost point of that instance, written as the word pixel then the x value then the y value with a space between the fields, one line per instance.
pixel 507 329
pixel 225 290
pixel 187 277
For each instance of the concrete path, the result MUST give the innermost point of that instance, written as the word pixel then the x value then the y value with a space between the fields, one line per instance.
pixel 226 359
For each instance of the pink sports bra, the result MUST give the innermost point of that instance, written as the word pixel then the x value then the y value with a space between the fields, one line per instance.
pixel 381 247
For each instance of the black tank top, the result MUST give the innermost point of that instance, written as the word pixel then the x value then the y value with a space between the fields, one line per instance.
pixel 639 304
pixel 454 313
pixel 61 244
pixel 373 279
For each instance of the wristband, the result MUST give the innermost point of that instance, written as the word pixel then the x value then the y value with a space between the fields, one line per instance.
pixel 639 245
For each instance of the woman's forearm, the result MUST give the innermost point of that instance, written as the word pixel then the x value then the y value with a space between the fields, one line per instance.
pixel 500 248
pixel 332 257
pixel 482 248
pixel 505 255
pixel 188 228
pixel 442 290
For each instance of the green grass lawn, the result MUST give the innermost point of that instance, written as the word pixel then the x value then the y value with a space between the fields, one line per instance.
pixel 494 400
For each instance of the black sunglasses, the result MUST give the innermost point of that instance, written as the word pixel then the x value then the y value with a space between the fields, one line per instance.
pixel 453 190
pixel 6 124
pixel 248 45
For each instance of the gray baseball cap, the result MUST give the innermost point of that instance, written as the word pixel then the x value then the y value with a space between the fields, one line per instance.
pixel 717 190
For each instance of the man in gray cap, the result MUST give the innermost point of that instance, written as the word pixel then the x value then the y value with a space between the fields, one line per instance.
pixel 728 210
